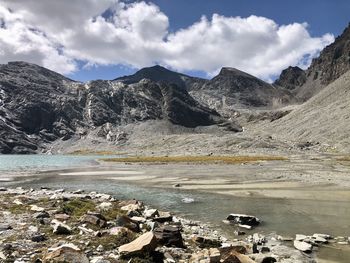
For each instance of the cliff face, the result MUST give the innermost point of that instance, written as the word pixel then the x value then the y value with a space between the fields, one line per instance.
pixel 332 62
pixel 233 89
pixel 40 106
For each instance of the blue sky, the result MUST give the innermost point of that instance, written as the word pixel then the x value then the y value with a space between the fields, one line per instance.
pixel 78 40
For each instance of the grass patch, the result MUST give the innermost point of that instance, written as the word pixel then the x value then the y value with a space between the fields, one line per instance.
pixel 113 212
pixel 78 207
pixel 110 242
pixel 196 159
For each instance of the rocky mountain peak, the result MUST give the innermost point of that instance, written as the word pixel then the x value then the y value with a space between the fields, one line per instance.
pixel 232 72
pixel 333 61
pixel 160 74
pixel 291 78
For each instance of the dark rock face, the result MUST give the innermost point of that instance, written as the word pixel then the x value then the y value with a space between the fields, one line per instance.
pixel 38 106
pixel 35 105
pixel 160 74
pixel 291 78
pixel 332 62
pixel 233 88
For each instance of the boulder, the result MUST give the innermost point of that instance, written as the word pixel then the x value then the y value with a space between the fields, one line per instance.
pixel 131 205
pixel 125 221
pixel 243 220
pixel 151 213
pixel 169 236
pixel 214 255
pixel 41 215
pixel 163 217
pixel 36 208
pixel 62 217
pixel 258 239
pixel 228 250
pixel 303 246
pixel 300 237
pixel 95 219
pixel 235 257
pixel 138 219
pixel 268 259
pixel 60 228
pixel 116 231
pixel 65 254
pixel 204 242
pixel 38 237
pixel 145 243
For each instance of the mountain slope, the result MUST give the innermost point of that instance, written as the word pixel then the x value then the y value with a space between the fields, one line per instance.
pixel 332 62
pixel 325 118
pixel 38 106
pixel 233 89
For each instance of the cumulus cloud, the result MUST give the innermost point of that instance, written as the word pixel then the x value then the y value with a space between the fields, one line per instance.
pixel 56 34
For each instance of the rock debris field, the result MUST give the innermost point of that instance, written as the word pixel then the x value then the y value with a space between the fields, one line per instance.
pixel 47 225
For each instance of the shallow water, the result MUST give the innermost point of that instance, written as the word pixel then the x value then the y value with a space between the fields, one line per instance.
pixel 22 163
pixel 281 215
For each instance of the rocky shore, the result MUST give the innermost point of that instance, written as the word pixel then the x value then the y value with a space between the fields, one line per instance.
pixel 47 225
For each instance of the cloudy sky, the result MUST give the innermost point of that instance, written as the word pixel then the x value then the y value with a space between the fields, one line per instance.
pixel 90 39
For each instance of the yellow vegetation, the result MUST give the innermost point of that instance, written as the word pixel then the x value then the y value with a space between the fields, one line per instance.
pixel 344 159
pixel 195 159
pixel 90 152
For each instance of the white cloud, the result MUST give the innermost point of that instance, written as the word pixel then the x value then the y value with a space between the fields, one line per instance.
pixel 57 33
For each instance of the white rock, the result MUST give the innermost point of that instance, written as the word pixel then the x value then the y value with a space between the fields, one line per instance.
pixel 100 248
pixel 258 239
pixel 105 206
pixel 36 208
pixel 17 202
pixel 187 200
pixel 32 229
pixel 302 246
pixel 150 213
pixel 245 226
pixel 325 236
pixel 300 237
pixel 69 245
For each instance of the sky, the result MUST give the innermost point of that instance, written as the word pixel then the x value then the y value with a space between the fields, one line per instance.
pixel 104 39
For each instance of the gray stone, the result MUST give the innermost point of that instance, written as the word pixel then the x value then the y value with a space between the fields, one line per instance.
pixel 41 215
pixel 303 246
pixel 60 228
pixel 145 243
pixel 96 219
pixel 38 237
pixel 169 236
pixel 243 220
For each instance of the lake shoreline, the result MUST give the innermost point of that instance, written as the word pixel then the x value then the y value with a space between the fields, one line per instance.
pixel 42 210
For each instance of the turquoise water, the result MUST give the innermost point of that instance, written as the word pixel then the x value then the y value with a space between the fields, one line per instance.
pixel 43 162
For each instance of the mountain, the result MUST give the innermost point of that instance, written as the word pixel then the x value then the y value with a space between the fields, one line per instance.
pixel 333 61
pixel 38 106
pixel 291 78
pixel 324 119
pixel 234 89
pixel 160 74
